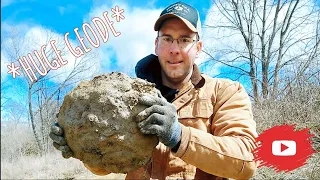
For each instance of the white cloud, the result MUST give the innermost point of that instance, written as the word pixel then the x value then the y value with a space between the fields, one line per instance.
pixel 135 42
pixel 137 35
pixel 4 63
pixel 7 29
pixel 37 36
pixel 5 3
pixel 7 52
pixel 61 10
pixel 59 75
pixel 151 3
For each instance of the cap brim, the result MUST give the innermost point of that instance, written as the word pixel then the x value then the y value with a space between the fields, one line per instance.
pixel 167 16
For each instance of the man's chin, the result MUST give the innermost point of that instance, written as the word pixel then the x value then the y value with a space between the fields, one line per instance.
pixel 176 77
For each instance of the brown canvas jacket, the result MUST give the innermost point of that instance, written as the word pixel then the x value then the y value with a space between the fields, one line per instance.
pixel 218 134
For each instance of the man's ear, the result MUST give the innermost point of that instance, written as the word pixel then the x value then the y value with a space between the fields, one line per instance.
pixel 156 46
pixel 199 47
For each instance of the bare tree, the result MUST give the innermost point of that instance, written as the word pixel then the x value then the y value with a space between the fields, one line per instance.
pixel 4 97
pixel 264 38
pixel 45 92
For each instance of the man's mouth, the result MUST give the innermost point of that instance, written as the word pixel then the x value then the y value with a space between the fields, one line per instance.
pixel 175 62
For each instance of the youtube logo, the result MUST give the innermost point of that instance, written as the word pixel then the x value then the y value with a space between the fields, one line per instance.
pixel 284 148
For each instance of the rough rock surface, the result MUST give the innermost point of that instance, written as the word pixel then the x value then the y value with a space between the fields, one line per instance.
pixel 99 124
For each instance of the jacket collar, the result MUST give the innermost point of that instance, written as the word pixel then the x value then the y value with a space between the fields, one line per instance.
pixel 149 68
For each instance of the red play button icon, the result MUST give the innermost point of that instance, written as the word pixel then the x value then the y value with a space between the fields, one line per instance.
pixel 283 147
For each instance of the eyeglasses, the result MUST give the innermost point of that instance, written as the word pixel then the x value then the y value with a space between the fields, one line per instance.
pixel 183 42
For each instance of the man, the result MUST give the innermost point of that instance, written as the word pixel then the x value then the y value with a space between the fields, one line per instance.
pixel 204 125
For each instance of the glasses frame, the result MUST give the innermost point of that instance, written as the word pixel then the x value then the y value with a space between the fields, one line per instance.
pixel 179 44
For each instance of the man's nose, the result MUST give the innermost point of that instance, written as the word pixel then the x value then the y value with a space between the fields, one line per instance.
pixel 174 48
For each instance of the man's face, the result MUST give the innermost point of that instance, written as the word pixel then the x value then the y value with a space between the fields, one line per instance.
pixel 176 62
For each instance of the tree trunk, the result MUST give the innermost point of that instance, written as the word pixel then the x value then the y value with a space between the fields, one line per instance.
pixel 32 119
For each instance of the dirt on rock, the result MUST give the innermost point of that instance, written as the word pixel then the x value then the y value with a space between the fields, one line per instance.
pixel 98 119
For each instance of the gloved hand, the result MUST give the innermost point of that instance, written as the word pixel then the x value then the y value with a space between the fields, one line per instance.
pixel 59 142
pixel 160 118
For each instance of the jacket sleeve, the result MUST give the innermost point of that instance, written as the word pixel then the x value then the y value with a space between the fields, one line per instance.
pixel 227 151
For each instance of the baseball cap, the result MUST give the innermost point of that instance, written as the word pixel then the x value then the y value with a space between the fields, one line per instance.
pixel 188 14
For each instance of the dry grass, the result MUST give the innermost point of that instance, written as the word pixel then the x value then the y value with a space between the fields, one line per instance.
pixel 302 108
pixel 49 166
pixel 19 159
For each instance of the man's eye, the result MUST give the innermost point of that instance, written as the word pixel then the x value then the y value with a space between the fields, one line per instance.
pixel 185 40
pixel 167 39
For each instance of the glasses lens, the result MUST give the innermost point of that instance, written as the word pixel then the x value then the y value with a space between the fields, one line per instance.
pixel 185 41
pixel 165 40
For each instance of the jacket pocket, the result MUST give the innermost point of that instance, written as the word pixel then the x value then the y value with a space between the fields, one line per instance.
pixel 203 108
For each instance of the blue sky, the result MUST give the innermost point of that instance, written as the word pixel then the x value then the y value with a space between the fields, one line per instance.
pixel 63 16
pixel 32 19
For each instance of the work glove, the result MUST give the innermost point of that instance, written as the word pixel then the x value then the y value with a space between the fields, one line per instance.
pixel 59 142
pixel 159 118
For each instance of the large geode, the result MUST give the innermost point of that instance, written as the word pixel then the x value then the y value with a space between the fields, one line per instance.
pixel 98 119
